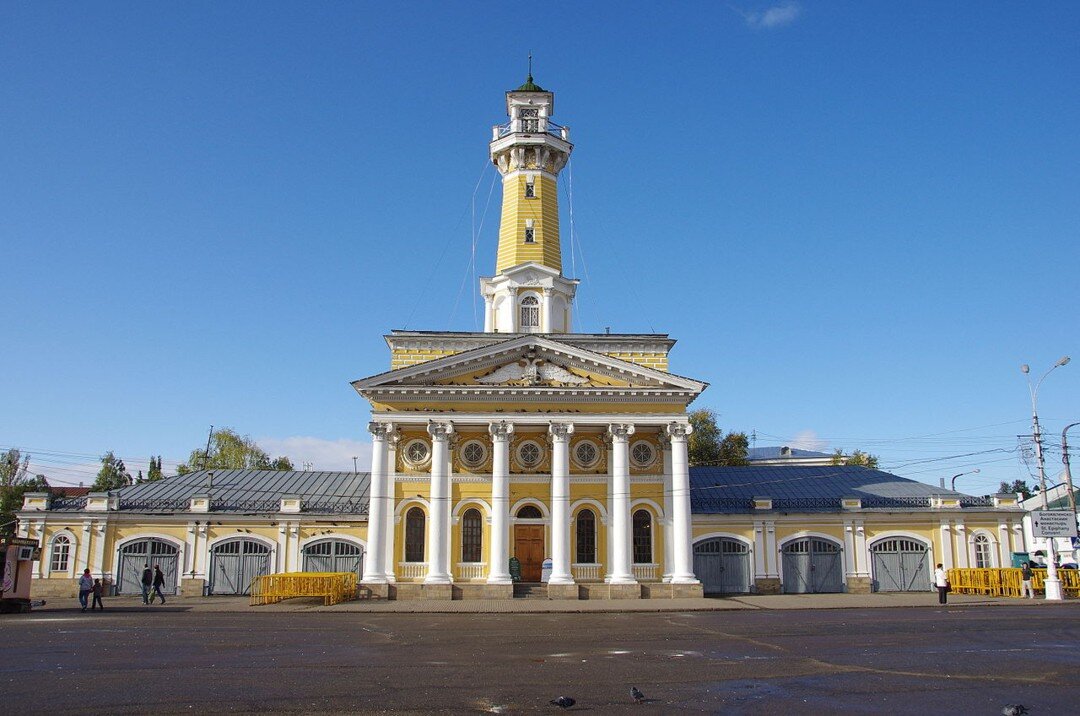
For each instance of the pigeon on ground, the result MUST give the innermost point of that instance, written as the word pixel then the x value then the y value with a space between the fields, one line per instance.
pixel 563 702
pixel 636 695
pixel 1014 710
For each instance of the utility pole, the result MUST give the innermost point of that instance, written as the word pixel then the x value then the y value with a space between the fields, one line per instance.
pixel 1068 474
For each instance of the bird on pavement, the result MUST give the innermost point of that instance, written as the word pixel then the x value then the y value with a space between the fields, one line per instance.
pixel 1014 710
pixel 563 702
pixel 636 695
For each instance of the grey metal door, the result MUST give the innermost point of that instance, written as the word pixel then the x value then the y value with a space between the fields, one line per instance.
pixel 133 558
pixel 233 564
pixel 722 565
pixel 334 556
pixel 812 565
pixel 900 565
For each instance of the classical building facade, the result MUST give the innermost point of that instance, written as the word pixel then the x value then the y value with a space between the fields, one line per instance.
pixel 529 453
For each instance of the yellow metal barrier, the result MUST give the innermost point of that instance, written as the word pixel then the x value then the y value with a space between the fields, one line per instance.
pixel 333 587
pixel 1008 582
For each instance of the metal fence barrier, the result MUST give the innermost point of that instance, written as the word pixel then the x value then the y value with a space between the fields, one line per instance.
pixel 1008 582
pixel 333 587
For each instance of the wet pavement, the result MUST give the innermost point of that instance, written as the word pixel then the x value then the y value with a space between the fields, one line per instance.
pixel 893 660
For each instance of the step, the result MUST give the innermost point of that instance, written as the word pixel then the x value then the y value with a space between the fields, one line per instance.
pixel 530 591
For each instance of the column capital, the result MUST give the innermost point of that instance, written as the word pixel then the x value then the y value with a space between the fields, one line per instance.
pixel 501 430
pixel 547 290
pixel 620 432
pixel 380 430
pixel 678 431
pixel 440 430
pixel 560 432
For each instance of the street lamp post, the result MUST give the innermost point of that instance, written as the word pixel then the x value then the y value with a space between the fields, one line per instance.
pixel 1053 584
pixel 969 472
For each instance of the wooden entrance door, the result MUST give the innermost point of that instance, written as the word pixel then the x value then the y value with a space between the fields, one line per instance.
pixel 529 549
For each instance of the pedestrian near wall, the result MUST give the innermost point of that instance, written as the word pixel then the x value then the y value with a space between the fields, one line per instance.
pixel 86 586
pixel 159 582
pixel 147 582
pixel 1025 575
pixel 941 580
pixel 97 596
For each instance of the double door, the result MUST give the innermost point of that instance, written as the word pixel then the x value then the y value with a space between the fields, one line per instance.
pixel 529 550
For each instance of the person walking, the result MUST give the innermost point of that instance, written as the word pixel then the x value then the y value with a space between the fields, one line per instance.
pixel 147 582
pixel 86 585
pixel 1025 576
pixel 159 582
pixel 97 596
pixel 941 580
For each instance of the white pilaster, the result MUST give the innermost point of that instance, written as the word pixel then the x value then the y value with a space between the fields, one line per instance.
pixel 620 504
pixel 682 571
pixel 761 568
pixel 666 523
pixel 545 311
pixel 392 440
pixel 489 316
pixel 560 503
pixel 282 547
pixel 83 558
pixel 98 567
pixel 1003 545
pixel 946 556
pixel 499 569
pixel 439 529
pixel 374 562
pixel 962 545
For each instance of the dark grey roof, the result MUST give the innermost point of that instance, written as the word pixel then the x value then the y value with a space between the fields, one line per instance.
pixel 798 488
pixel 773 453
pixel 249 491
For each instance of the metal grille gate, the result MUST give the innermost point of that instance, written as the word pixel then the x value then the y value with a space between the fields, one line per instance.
pixel 812 565
pixel 722 565
pixel 900 565
pixel 133 558
pixel 233 564
pixel 334 556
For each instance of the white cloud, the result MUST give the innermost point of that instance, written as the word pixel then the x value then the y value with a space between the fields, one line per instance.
pixel 776 16
pixel 321 453
pixel 807 440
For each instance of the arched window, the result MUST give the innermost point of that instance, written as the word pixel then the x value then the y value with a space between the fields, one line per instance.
pixel 472 536
pixel 414 535
pixel 61 554
pixel 983 560
pixel 642 537
pixel 530 313
pixel 586 537
pixel 529 512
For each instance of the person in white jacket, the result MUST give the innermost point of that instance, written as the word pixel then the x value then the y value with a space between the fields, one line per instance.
pixel 941 580
pixel 86 585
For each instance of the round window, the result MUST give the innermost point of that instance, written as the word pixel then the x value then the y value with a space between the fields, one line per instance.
pixel 473 453
pixel 643 454
pixel 529 453
pixel 417 452
pixel 586 454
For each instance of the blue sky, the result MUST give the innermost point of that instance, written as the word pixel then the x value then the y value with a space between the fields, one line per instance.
pixel 858 219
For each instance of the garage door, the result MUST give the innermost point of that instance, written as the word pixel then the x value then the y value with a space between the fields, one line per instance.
pixel 812 565
pixel 133 558
pixel 233 564
pixel 722 565
pixel 334 555
pixel 900 565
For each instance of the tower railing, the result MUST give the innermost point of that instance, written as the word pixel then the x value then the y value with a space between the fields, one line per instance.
pixel 545 126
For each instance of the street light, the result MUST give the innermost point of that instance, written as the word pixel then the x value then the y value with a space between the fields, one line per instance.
pixel 969 472
pixel 1053 584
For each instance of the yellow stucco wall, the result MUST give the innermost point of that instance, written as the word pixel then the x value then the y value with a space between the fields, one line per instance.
pixel 517 209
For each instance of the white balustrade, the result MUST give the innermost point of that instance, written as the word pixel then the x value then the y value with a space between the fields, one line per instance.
pixel 471 571
pixel 587 572
pixel 412 570
pixel 645 572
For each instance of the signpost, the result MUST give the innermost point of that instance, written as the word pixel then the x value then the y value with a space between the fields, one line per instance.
pixel 1053 523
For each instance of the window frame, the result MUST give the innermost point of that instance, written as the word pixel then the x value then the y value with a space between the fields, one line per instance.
pixel 585 537
pixel 472 536
pixel 67 542
pixel 642 536
pixel 415 535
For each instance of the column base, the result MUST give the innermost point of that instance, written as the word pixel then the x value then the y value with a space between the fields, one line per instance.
pixel 621 579
pixel 559 580
pixel 500 579
pixel 190 587
pixel 767 585
pixel 562 591
pixel 684 579
pixel 438 579
pixel 373 579
pixel 375 590
pixel 1053 590
pixel 859 584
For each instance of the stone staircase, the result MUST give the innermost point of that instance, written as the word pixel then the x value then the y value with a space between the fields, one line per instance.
pixel 530 591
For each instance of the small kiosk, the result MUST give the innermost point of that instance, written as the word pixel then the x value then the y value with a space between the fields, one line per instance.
pixel 17 555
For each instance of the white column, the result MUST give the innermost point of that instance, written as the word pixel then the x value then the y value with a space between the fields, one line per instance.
pixel 489 315
pixel 609 543
pixel 761 567
pixel 439 527
pixel 392 440
pixel 83 554
pixel 374 559
pixel 545 312
pixel 862 550
pixel 666 523
pixel 682 571
pixel 283 547
pixel 1003 545
pixel 945 559
pixel 849 548
pixel 98 567
pixel 560 503
pixel 620 504
pixel 499 559
pixel 962 545
pixel 294 546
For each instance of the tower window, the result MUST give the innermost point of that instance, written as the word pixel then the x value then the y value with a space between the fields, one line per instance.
pixel 530 120
pixel 530 189
pixel 530 236
pixel 530 313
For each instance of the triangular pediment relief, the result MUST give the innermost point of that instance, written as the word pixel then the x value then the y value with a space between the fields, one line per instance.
pixel 530 362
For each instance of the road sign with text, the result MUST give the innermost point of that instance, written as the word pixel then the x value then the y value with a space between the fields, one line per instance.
pixel 1048 523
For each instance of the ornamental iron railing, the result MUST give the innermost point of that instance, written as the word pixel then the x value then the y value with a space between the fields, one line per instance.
pixel 68 503
pixel 526 126
pixel 806 503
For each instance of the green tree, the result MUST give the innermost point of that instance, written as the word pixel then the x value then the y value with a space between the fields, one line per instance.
pixel 708 445
pixel 14 483
pixel 153 473
pixel 113 474
pixel 231 451
pixel 1017 487
pixel 857 457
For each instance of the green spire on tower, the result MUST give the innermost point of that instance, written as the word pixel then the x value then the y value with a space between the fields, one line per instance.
pixel 529 85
